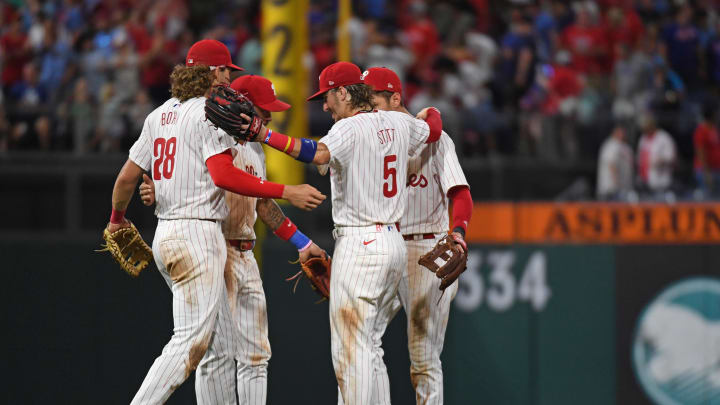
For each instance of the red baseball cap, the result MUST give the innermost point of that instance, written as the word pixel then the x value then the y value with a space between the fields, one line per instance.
pixel 211 53
pixel 260 91
pixel 336 75
pixel 383 79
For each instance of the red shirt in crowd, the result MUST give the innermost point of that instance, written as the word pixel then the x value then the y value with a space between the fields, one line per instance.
pixel 563 83
pixel 588 46
pixel 706 139
pixel 423 39
pixel 16 56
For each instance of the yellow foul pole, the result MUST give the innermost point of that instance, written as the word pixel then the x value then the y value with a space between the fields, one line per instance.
pixel 343 30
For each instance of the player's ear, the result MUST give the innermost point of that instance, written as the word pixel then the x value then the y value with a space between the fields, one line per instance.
pixel 345 94
pixel 395 100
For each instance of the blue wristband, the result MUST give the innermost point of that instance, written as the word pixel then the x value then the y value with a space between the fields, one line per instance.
pixel 267 137
pixel 300 240
pixel 308 147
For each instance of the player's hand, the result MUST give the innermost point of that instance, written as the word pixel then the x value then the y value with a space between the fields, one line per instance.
pixel 303 196
pixel 312 251
pixel 114 227
pixel 422 115
pixel 262 133
pixel 461 244
pixel 147 191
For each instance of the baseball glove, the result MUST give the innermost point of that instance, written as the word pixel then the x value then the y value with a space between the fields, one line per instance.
pixel 317 270
pixel 128 248
pixel 223 109
pixel 455 262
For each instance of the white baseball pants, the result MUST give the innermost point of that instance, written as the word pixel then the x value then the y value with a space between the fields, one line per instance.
pixel 190 255
pixel 427 318
pixel 368 264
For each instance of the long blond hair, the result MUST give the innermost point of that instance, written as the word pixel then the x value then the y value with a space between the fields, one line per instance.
pixel 187 82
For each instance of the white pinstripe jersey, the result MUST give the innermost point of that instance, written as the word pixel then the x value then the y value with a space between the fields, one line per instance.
pixel 173 146
pixel 241 219
pixel 369 154
pixel 432 172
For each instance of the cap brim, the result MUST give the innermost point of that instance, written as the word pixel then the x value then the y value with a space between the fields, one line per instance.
pixel 275 106
pixel 235 67
pixel 317 95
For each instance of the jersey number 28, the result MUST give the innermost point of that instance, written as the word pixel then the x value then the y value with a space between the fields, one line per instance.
pixel 390 187
pixel 164 152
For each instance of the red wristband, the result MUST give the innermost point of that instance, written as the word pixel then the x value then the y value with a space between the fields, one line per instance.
pixel 286 230
pixel 278 141
pixel 117 216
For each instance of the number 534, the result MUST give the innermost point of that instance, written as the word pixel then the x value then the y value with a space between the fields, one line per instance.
pixel 502 288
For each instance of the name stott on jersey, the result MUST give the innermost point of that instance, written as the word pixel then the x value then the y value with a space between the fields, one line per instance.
pixel 241 219
pixel 174 144
pixel 369 154
pixel 433 171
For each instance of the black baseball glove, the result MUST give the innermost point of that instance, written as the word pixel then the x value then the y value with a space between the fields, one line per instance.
pixel 224 108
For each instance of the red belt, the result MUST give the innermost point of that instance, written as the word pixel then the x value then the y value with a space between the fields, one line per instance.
pixel 242 244
pixel 418 236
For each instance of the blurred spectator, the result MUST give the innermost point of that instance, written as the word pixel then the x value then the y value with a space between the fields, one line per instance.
pixel 433 94
pixel 681 46
pixel 54 58
pixel 81 116
pixel 517 53
pixel 28 92
pixel 250 55
pixel 623 27
pixel 420 35
pixel 92 63
pixel 137 112
pixel 586 40
pixel 655 156
pixel 707 151
pixel 125 63
pixel 16 53
pixel 615 167
pixel 110 126
pixel 384 50
pixel 552 105
pixel 713 56
pixel 629 81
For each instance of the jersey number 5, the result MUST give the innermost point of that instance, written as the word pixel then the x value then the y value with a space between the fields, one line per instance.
pixel 164 152
pixel 390 187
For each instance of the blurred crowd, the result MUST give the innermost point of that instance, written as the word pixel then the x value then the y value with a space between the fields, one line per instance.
pixel 632 84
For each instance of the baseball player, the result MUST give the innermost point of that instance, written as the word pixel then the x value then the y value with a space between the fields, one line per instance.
pixel 190 162
pixel 434 176
pixel 367 152
pixel 242 275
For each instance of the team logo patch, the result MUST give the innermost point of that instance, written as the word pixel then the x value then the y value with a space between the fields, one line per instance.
pixel 364 75
pixel 331 83
pixel 390 86
pixel 676 355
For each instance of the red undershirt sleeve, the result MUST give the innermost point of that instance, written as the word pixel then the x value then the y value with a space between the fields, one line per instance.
pixel 461 202
pixel 230 178
pixel 434 121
